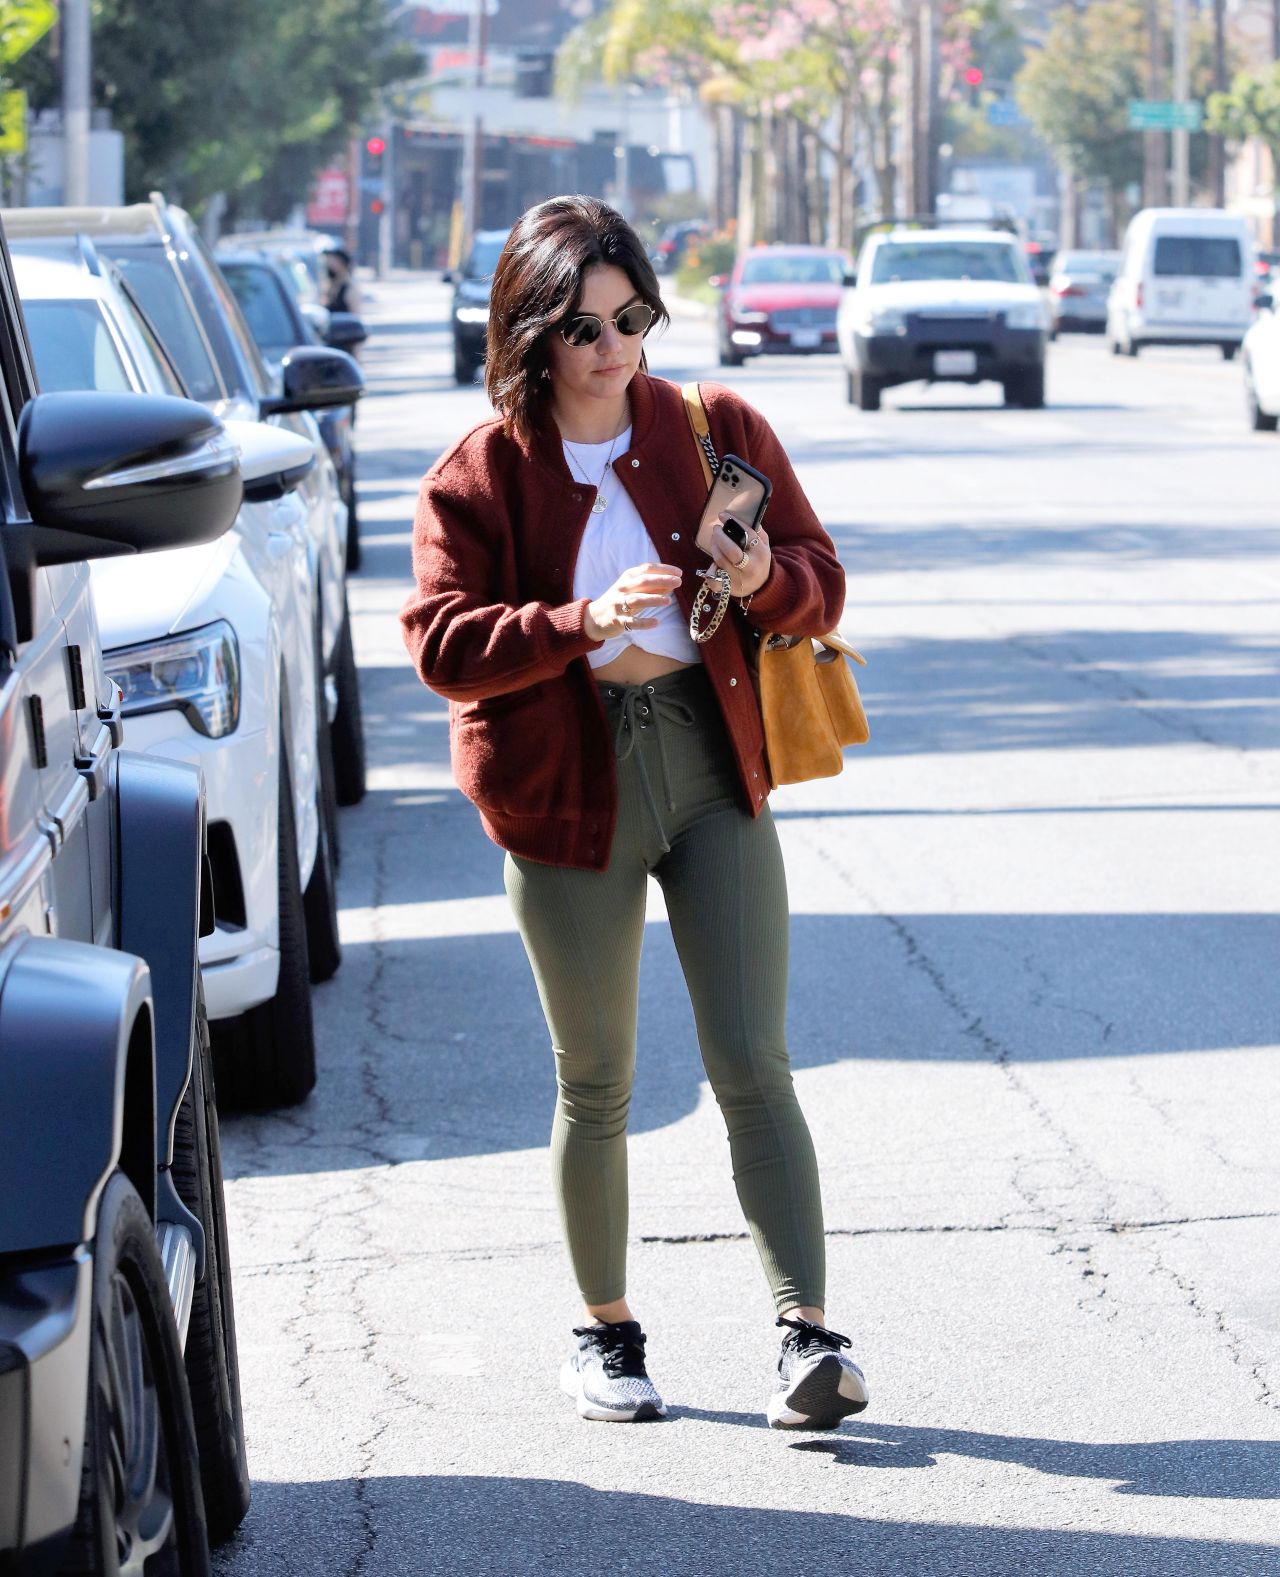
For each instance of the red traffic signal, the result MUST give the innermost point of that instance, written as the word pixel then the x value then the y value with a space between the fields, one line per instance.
pixel 377 146
pixel 973 76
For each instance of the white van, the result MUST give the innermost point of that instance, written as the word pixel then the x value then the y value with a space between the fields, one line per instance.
pixel 1186 278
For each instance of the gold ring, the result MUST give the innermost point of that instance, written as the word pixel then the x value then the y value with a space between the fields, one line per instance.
pixel 743 559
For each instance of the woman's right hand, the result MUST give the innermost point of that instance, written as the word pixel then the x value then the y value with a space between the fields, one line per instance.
pixel 635 594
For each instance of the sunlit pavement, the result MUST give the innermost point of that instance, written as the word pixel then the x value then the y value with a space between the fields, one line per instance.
pixel 1034 1013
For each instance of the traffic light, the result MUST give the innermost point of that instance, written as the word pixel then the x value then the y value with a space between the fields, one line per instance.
pixel 973 77
pixel 374 149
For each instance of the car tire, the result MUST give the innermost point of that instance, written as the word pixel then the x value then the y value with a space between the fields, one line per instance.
pixel 267 1056
pixel 1025 389
pixel 1132 347
pixel 1229 352
pixel 464 367
pixel 866 391
pixel 137 1400
pixel 320 898
pixel 1259 420
pixel 349 768
pixel 730 357
pixel 353 518
pixel 212 1355
pixel 1113 345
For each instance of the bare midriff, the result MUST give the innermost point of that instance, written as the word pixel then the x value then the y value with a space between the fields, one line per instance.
pixel 636 666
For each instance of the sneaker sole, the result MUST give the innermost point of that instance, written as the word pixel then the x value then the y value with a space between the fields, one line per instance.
pixel 595 1412
pixel 826 1394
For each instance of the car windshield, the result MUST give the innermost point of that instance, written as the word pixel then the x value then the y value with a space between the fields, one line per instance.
pixel 73 347
pixel 1088 265
pixel 1197 257
pixel 485 252
pixel 784 270
pixel 156 286
pixel 262 301
pixel 991 261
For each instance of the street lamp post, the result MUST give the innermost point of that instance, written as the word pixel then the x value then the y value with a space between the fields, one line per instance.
pixel 75 101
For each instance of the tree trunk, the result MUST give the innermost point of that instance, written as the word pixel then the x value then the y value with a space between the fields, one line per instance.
pixel 1218 144
pixel 747 184
pixel 1155 156
pixel 817 200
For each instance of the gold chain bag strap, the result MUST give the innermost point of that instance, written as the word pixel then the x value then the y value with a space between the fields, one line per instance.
pixel 809 701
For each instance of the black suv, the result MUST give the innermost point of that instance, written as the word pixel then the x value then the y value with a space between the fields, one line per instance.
pixel 121 1437
pixel 470 312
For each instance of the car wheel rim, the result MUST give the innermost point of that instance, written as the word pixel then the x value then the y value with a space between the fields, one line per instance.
pixel 138 1492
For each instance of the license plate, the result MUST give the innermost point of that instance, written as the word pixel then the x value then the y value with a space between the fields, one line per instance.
pixel 955 363
pixel 806 339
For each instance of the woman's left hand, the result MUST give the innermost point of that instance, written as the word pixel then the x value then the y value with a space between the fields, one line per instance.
pixel 748 566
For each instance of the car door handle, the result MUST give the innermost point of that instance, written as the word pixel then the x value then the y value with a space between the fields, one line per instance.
pixel 93 767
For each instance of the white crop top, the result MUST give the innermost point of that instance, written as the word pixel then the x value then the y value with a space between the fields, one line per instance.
pixel 616 540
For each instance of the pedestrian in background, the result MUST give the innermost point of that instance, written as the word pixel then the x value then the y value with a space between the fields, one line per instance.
pixel 342 294
pixel 555 563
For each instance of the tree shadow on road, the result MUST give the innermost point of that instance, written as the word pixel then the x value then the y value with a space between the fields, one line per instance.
pixel 446 1526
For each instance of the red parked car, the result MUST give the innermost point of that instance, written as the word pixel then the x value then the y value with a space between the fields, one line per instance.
pixel 780 299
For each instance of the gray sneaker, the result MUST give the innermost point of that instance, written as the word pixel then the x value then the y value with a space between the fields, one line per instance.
pixel 606 1376
pixel 817 1385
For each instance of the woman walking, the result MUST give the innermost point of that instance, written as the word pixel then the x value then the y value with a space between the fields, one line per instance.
pixel 556 571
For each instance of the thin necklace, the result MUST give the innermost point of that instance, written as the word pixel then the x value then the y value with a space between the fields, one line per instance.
pixel 601 503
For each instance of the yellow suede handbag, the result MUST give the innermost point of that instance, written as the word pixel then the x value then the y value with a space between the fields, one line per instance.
pixel 809 701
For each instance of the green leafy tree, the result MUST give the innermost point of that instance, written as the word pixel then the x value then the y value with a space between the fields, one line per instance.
pixel 1076 91
pixel 231 96
pixel 1251 109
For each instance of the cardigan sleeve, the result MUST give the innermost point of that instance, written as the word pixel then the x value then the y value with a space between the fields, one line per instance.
pixel 805 591
pixel 465 645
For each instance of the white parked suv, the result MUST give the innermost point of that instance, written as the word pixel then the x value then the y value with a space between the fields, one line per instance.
pixel 943 306
pixel 1186 278
pixel 214 649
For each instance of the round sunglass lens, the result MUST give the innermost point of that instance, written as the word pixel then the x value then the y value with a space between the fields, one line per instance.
pixel 636 319
pixel 583 331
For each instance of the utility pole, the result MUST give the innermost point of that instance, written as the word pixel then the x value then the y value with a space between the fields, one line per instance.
pixel 75 102
pixel 1181 90
pixel 1154 181
pixel 1217 144
pixel 930 73
pixel 473 148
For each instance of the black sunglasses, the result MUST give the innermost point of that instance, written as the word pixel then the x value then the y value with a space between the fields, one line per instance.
pixel 587 329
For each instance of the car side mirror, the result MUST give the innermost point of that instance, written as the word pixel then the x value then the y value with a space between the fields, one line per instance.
pixel 105 474
pixel 345 330
pixel 1265 302
pixel 849 277
pixel 449 277
pixel 314 380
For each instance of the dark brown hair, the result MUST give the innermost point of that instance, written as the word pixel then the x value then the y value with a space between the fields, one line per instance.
pixel 537 286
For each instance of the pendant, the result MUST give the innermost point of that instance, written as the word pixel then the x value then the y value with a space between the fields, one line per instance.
pixel 600 505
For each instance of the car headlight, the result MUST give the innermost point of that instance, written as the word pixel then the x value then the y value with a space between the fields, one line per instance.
pixel 196 673
pixel 1028 315
pixel 886 320
pixel 472 314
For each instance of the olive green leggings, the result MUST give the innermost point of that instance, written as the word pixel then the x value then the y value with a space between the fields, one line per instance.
pixel 680 819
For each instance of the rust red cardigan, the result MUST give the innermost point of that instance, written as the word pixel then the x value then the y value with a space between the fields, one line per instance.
pixel 493 624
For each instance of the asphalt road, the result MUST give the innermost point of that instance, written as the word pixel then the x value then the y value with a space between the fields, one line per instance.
pixel 1034 1020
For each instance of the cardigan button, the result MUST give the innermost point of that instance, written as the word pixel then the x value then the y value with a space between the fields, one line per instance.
pixel 635 465
pixel 675 536
pixel 733 681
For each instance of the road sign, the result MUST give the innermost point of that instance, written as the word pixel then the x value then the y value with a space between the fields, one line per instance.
pixel 13 122
pixel 1004 112
pixel 23 23
pixel 1164 115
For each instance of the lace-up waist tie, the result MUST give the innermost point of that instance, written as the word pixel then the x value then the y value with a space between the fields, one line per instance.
pixel 642 706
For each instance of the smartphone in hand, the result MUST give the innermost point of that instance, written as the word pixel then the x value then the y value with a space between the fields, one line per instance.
pixel 742 491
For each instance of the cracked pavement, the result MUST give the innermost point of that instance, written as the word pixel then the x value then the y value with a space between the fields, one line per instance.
pixel 1034 1021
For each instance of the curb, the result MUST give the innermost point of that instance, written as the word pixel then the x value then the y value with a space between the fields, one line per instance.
pixel 684 307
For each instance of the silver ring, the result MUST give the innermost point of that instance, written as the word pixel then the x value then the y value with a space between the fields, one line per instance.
pixel 753 542
pixel 625 621
pixel 626 606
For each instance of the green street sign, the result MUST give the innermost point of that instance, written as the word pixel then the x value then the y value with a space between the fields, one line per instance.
pixel 13 122
pixel 1164 115
pixel 23 23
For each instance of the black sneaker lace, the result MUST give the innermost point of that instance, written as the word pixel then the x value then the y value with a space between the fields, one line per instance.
pixel 807 1334
pixel 621 1352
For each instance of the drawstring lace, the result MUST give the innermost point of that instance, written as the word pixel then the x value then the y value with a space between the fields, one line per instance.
pixel 639 704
